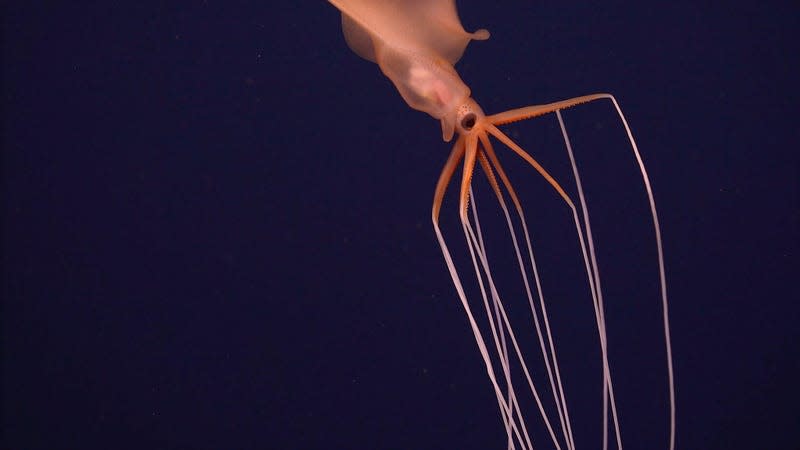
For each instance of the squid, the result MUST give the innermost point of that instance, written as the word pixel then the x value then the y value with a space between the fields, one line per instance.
pixel 416 44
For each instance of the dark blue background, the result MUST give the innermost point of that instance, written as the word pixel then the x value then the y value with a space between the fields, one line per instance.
pixel 216 222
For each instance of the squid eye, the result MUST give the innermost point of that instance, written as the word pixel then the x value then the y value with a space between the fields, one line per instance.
pixel 468 121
